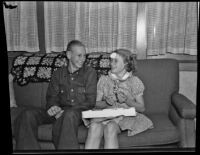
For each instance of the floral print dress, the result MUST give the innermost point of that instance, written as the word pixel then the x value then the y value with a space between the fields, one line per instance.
pixel 132 86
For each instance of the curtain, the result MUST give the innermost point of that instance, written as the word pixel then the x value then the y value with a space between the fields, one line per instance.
pixel 21 27
pixel 101 26
pixel 171 28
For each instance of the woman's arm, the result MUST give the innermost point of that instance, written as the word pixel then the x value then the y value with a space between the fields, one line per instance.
pixel 101 105
pixel 138 103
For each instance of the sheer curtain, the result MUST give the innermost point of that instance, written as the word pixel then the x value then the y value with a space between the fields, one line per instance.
pixel 171 28
pixel 101 26
pixel 21 27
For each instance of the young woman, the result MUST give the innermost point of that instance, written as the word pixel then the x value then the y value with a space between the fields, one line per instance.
pixel 119 89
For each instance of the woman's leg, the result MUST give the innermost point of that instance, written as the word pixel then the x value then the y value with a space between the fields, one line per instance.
pixel 111 131
pixel 95 134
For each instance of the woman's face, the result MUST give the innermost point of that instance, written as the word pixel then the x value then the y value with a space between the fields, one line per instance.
pixel 117 63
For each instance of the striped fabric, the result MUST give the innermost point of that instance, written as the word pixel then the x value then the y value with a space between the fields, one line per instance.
pixel 101 26
pixel 21 27
pixel 171 28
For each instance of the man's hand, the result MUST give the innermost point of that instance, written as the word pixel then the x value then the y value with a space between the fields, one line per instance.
pixel 54 110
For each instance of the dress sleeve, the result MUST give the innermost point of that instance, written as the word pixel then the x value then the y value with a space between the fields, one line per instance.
pixel 138 86
pixel 100 88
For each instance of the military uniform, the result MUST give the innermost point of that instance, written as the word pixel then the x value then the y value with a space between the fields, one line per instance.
pixel 73 92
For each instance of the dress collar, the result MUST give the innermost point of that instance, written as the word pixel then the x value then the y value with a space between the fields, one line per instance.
pixel 114 77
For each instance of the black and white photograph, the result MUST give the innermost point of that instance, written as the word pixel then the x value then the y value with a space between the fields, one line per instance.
pixel 103 76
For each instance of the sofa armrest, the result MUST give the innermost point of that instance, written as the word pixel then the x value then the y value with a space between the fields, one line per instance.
pixel 184 107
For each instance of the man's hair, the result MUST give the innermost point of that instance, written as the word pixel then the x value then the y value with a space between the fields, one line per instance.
pixel 74 43
pixel 128 58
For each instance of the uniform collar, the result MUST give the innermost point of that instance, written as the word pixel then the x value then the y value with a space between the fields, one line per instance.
pixel 77 71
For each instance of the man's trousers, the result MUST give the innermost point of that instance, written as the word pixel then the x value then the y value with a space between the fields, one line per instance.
pixel 64 133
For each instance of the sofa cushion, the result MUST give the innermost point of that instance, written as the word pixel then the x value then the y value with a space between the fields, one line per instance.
pixel 161 79
pixel 45 133
pixel 163 130
pixel 29 95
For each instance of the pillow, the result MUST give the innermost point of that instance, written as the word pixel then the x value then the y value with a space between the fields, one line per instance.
pixel 11 91
pixel 100 61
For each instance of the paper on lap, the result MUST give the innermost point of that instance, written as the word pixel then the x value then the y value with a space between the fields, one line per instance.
pixel 109 113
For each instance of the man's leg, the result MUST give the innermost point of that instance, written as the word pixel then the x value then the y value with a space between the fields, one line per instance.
pixel 14 113
pixel 26 128
pixel 65 130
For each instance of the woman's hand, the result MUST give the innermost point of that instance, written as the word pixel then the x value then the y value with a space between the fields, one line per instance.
pixel 110 100
pixel 121 97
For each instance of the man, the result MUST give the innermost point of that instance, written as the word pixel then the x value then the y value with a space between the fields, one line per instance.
pixel 71 90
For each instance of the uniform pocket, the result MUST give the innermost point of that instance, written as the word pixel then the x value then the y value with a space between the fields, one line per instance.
pixel 81 90
pixel 81 94
pixel 62 93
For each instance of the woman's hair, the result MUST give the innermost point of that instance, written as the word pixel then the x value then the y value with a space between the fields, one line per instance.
pixel 129 59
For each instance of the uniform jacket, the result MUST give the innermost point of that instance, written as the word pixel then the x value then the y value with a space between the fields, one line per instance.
pixel 77 90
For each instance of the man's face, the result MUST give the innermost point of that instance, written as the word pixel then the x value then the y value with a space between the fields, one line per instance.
pixel 77 56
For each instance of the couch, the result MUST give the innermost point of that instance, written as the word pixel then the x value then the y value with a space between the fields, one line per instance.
pixel 172 113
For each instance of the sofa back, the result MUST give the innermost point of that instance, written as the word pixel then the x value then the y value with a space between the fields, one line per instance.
pixel 160 77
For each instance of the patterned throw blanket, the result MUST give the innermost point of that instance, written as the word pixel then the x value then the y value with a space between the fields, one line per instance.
pixel 38 67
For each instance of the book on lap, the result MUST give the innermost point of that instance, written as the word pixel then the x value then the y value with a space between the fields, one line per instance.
pixel 109 113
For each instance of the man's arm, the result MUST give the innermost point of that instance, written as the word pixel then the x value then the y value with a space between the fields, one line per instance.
pixel 53 90
pixel 91 91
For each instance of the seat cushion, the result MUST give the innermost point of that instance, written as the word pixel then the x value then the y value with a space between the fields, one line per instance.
pixel 45 133
pixel 164 132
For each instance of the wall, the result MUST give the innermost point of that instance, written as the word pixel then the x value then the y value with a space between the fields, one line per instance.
pixel 188 84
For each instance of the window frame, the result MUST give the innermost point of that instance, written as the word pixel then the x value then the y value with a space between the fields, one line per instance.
pixel 141 40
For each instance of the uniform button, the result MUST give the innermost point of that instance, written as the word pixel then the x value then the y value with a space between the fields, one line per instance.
pixel 72 90
pixel 72 78
pixel 72 100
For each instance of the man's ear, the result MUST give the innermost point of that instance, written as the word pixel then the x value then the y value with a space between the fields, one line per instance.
pixel 69 54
